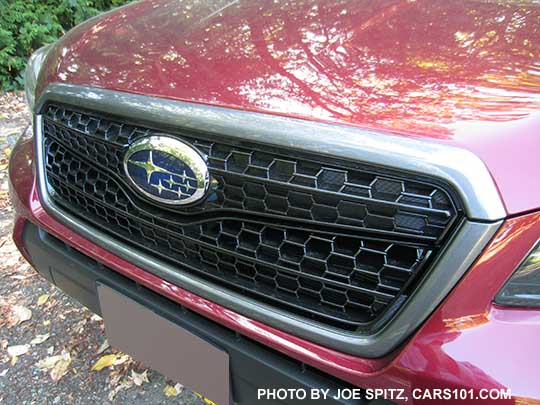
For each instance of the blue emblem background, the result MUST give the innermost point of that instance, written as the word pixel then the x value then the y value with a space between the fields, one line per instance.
pixel 171 180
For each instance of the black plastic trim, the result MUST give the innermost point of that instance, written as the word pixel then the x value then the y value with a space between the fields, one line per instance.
pixel 252 365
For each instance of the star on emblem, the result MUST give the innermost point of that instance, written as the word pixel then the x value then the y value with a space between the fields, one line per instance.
pixel 159 187
pixel 150 167
pixel 179 192
pixel 170 181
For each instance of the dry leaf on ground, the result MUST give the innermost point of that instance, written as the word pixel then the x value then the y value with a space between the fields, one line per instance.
pixel 61 367
pixel 40 339
pixel 57 365
pixel 209 402
pixel 172 391
pixel 42 299
pixel 104 346
pixel 122 358
pixel 104 362
pixel 114 377
pixel 18 350
pixel 48 362
pixel 139 378
pixel 19 314
pixel 110 360
pixel 125 384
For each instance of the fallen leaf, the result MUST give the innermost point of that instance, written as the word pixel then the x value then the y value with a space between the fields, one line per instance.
pixel 46 323
pixel 20 314
pixel 40 339
pixel 7 151
pixel 60 369
pixel 170 391
pixel 106 361
pixel 57 365
pixel 42 299
pixel 48 362
pixel 206 400
pixel 139 378
pixel 125 384
pixel 19 350
pixel 122 358
pixel 114 377
pixel 104 346
pixel 96 318
pixel 14 360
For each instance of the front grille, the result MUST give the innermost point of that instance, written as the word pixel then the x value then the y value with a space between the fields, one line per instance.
pixel 335 241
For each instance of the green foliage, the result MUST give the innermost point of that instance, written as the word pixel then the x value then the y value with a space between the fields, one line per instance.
pixel 26 25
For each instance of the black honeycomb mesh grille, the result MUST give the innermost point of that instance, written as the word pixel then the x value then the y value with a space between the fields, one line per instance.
pixel 332 241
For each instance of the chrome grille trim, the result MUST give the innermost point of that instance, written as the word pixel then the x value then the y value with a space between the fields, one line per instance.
pixel 449 267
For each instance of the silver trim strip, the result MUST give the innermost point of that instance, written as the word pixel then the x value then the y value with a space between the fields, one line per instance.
pixel 459 168
pixel 450 266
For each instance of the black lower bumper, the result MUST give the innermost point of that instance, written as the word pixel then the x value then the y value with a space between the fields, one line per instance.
pixel 252 365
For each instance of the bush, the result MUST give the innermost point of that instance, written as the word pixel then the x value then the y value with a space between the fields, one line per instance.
pixel 26 25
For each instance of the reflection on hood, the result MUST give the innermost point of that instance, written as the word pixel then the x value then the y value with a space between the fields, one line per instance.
pixel 406 66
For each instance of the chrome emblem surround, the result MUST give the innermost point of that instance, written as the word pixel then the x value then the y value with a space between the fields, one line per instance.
pixel 167 170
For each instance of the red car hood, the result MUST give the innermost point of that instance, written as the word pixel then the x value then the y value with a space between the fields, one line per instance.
pixel 466 73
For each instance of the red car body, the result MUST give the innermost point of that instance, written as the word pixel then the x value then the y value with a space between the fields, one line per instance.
pixel 465 74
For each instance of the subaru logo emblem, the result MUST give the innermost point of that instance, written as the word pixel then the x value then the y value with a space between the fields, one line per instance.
pixel 167 170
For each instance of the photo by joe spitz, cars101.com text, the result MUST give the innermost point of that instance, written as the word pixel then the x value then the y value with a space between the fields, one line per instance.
pixel 296 201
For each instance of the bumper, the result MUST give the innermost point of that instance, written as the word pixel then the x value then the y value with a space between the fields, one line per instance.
pixel 251 364
pixel 467 342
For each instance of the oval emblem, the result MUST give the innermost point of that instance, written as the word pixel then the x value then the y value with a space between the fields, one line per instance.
pixel 167 170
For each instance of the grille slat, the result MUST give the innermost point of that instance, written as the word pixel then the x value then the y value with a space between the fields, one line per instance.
pixel 333 241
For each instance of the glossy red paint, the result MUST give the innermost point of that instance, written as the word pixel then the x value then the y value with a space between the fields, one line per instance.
pixel 465 73
pixel 467 343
